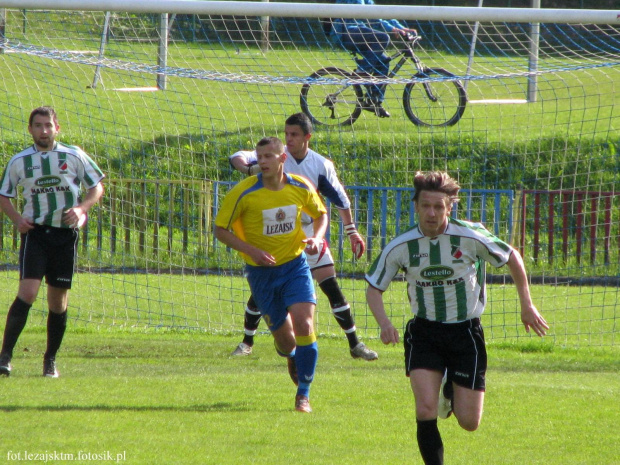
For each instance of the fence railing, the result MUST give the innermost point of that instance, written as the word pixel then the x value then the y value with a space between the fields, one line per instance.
pixel 133 213
pixel 382 213
pixel 150 218
pixel 577 217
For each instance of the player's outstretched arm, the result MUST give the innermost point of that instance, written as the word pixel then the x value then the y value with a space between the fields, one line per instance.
pixel 374 298
pixel 530 317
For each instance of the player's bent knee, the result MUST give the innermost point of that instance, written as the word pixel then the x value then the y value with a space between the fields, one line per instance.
pixel 469 425
pixel 468 422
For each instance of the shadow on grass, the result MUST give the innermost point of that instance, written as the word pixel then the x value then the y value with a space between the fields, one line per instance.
pixel 216 407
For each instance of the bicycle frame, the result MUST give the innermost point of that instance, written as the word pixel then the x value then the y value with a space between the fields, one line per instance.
pixel 405 55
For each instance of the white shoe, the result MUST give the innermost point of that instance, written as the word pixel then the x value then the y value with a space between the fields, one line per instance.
pixel 444 407
pixel 242 349
pixel 361 351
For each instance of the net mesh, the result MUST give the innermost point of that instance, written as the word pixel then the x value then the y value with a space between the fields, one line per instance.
pixel 536 151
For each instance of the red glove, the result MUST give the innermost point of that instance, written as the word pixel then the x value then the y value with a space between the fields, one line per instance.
pixel 357 243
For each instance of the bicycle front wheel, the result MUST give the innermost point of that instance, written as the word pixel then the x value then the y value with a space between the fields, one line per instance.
pixel 330 101
pixel 432 100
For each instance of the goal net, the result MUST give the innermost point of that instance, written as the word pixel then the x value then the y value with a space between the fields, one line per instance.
pixel 160 99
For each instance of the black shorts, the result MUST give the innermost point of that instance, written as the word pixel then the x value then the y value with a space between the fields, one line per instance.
pixel 48 252
pixel 459 347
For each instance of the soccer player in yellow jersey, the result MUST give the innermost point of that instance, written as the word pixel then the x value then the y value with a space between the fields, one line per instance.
pixel 261 218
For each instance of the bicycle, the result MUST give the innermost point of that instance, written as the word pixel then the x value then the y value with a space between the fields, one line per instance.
pixel 335 99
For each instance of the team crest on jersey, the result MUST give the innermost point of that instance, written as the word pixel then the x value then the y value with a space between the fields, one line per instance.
pixel 62 166
pixel 456 252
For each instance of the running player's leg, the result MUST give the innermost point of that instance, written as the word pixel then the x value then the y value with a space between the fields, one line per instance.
pixel 467 406
pixel 468 365
pixel 323 271
pixel 425 385
pixel 251 319
pixel 425 368
pixel 298 295
pixel 306 351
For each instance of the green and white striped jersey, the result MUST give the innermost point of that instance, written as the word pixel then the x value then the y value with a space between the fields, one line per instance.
pixel 445 274
pixel 51 181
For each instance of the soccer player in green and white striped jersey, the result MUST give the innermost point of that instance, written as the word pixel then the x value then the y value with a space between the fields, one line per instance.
pixel 443 260
pixel 51 175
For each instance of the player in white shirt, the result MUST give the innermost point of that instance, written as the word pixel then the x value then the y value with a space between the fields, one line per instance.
pixel 51 175
pixel 443 260
pixel 320 172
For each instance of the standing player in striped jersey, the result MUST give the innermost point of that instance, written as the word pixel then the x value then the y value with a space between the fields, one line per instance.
pixel 444 264
pixel 261 218
pixel 51 175
pixel 320 171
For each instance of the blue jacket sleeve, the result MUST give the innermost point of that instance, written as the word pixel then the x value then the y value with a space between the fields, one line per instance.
pixel 380 24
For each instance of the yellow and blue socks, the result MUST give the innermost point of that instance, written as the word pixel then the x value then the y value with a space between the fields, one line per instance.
pixel 306 356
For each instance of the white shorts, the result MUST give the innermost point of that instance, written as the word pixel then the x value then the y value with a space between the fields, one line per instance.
pixel 321 259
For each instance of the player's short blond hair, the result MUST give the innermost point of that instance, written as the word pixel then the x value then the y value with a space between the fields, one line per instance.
pixel 277 143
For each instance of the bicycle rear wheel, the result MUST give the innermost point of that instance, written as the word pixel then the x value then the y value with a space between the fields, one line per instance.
pixel 435 102
pixel 330 101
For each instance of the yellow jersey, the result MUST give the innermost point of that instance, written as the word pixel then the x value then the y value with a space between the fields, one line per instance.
pixel 270 220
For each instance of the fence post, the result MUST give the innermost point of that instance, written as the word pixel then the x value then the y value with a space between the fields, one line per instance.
pixel 550 226
pixel 2 26
pixel 156 221
pixel 593 220
pixel 536 225
pixel 113 216
pixel 565 226
pixel 579 229
pixel 607 227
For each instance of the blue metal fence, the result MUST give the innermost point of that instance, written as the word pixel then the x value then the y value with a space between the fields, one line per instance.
pixel 382 213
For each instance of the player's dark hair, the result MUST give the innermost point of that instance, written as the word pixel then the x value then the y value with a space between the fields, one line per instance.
pixel 43 111
pixel 301 120
pixel 271 140
pixel 437 181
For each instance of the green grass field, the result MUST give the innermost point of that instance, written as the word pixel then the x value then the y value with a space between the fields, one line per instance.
pixel 178 398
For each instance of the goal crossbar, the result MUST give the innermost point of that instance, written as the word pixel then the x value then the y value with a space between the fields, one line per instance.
pixel 301 10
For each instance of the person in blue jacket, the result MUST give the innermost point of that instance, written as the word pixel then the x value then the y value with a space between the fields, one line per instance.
pixel 370 39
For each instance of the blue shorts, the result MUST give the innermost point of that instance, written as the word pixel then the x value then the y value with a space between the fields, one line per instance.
pixel 276 288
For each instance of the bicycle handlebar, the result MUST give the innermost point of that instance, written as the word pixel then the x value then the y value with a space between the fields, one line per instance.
pixel 413 38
